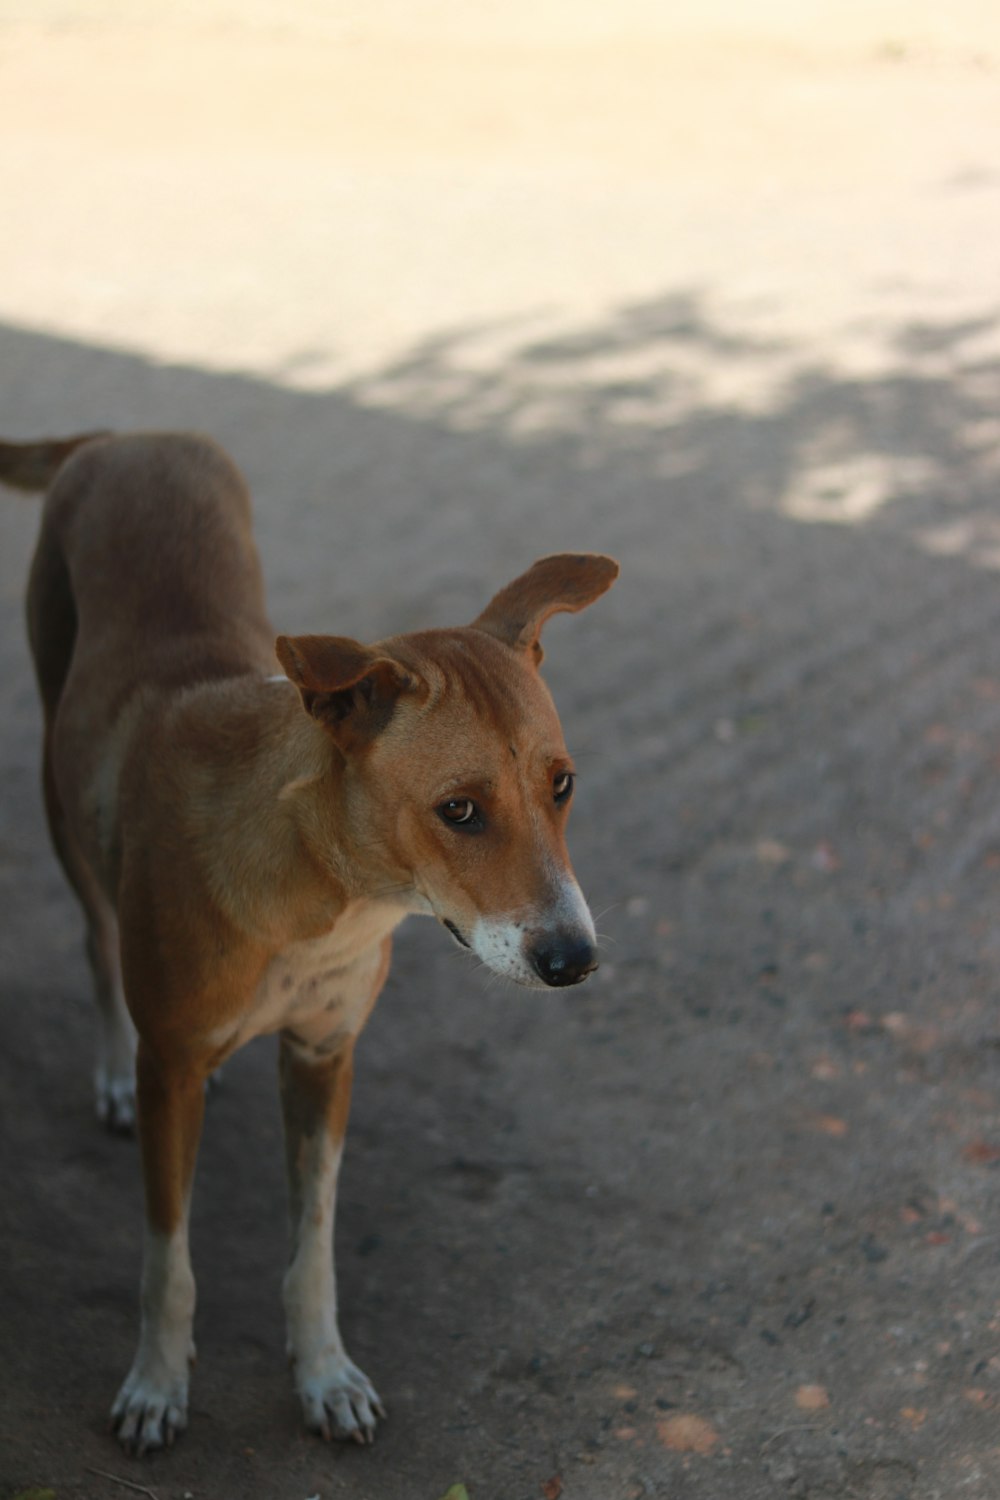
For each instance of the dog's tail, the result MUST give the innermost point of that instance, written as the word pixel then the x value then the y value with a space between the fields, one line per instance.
pixel 33 466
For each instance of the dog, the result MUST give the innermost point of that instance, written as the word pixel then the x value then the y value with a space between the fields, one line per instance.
pixel 244 841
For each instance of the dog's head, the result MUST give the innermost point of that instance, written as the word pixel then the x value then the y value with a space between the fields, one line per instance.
pixel 457 782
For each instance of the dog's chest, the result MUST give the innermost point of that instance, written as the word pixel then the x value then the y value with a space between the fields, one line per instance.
pixel 323 984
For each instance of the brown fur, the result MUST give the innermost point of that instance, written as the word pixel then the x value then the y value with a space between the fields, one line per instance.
pixel 33 466
pixel 227 834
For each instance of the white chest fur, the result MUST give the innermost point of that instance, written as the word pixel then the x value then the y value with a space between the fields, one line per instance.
pixel 321 989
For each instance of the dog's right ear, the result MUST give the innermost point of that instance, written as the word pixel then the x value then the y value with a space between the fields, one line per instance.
pixel 348 688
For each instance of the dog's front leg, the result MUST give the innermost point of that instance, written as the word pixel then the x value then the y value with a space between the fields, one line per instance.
pixel 337 1398
pixel 151 1407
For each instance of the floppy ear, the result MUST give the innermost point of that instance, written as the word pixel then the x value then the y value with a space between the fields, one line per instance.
pixel 348 688
pixel 566 581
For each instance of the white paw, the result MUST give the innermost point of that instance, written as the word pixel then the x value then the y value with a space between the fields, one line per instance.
pixel 338 1400
pixel 116 1103
pixel 150 1409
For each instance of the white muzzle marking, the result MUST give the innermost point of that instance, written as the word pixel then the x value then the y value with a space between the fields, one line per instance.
pixel 501 943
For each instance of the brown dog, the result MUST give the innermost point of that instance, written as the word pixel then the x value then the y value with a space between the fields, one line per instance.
pixel 243 844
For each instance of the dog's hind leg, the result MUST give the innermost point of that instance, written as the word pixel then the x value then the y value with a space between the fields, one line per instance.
pixel 52 629
pixel 114 1069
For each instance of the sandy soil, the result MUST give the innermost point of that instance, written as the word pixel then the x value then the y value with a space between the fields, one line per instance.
pixel 715 294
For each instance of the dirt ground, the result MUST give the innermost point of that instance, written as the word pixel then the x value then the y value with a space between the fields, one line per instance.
pixel 718 295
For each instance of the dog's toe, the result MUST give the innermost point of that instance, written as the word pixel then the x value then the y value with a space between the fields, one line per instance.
pixel 115 1105
pixel 149 1414
pixel 339 1401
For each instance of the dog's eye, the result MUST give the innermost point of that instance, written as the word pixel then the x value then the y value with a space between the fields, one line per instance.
pixel 459 810
pixel 562 787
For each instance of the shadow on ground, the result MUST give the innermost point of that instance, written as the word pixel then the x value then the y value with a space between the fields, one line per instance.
pixel 748 1174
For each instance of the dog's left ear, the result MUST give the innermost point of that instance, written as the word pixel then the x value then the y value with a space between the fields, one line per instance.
pixel 566 581
pixel 348 688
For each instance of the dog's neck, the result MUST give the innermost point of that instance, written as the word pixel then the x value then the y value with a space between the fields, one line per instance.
pixel 281 821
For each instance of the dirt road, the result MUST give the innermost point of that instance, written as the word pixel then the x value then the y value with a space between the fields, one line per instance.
pixel 719 298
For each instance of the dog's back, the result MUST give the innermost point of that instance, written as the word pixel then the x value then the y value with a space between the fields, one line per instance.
pixel 163 577
pixel 145 580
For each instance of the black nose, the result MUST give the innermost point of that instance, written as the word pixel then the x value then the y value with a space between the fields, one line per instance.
pixel 564 960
